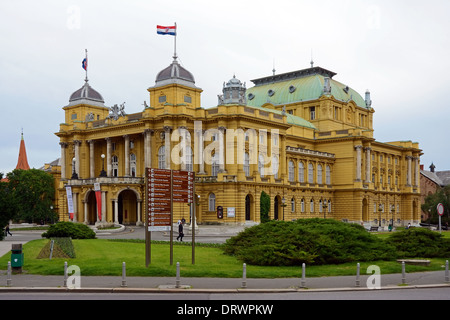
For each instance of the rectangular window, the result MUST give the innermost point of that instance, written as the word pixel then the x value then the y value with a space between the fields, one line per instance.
pixel 187 99
pixel 74 116
pixel 312 113
pixel 162 99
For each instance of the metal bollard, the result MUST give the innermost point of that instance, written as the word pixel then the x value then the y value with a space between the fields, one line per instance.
pixel 403 273
pixel 447 277
pixel 124 275
pixel 65 274
pixel 303 282
pixel 358 282
pixel 178 281
pixel 8 276
pixel 244 276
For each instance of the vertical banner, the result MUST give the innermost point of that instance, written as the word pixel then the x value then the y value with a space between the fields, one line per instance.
pixel 69 202
pixel 98 197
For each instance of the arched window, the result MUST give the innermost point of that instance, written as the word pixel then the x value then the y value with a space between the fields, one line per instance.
pixel 115 166
pixel 310 173
pixel 275 166
pixel 246 164
pixel 162 157
pixel 292 204
pixel 328 175
pixel 320 205
pixel 319 174
pixel 212 202
pixel 291 171
pixel 189 159
pixel 311 206
pixel 301 172
pixel 133 165
pixel 302 205
pixel 215 165
pixel 261 165
pixel 329 205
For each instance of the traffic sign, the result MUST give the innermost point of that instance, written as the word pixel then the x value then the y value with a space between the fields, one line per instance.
pixel 440 209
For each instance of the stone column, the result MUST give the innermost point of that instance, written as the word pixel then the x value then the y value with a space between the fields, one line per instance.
pixel 103 206
pixel 147 148
pixel 75 206
pixel 108 157
pixel 63 159
pixel 127 155
pixel 358 162
pixel 116 211
pixel 138 222
pixel 86 211
pixel 408 175
pixel 167 131
pixel 77 144
pixel 91 159
pixel 368 164
pixel 416 171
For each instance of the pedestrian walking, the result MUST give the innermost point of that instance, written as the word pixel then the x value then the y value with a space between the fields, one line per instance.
pixel 7 231
pixel 180 231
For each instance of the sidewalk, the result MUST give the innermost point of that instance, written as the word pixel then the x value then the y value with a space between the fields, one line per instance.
pixel 167 284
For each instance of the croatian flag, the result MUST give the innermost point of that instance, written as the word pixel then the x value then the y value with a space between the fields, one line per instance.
pixel 84 64
pixel 172 30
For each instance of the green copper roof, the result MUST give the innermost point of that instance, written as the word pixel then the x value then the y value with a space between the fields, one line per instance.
pixel 297 86
pixel 291 119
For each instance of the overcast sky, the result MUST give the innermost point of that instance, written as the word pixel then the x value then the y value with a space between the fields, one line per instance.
pixel 399 50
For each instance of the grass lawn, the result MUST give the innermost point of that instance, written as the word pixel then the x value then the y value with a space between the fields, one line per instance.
pixel 105 257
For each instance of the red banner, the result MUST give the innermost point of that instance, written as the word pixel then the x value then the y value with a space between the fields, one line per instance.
pixel 98 197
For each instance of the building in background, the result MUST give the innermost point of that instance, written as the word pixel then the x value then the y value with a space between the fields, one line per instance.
pixel 302 137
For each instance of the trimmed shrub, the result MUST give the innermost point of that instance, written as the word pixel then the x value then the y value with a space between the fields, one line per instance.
pixel 311 241
pixel 69 229
pixel 419 242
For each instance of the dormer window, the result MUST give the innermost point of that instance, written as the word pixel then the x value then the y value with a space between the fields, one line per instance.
pixel 270 92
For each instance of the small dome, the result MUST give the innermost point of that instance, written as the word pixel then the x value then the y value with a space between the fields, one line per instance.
pixel 174 71
pixel 86 92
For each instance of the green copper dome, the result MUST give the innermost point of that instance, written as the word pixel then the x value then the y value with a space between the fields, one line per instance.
pixel 298 86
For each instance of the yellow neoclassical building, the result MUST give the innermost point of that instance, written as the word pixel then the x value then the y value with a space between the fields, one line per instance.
pixel 302 137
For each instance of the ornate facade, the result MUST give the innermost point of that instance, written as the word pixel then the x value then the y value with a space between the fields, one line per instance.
pixel 302 137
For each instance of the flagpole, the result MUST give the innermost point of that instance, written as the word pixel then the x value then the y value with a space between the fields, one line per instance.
pixel 175 43
pixel 86 66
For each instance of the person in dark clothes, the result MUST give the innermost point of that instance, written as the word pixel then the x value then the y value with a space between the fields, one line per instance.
pixel 180 231
pixel 7 231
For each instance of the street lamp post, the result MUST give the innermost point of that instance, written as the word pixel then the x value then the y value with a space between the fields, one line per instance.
pixel 283 201
pixel 74 173
pixel 103 172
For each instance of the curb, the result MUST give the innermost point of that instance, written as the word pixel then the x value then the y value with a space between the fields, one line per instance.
pixel 209 291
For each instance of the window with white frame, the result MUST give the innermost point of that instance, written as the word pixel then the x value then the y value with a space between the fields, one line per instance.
pixel 162 157
pixel 301 172
pixel 319 174
pixel 310 173
pixel 292 204
pixel 291 171
pixel 261 165
pixel 189 159
pixel 115 166
pixel 328 175
pixel 275 166
pixel 132 165
pixel 246 164
pixel 215 165
pixel 212 202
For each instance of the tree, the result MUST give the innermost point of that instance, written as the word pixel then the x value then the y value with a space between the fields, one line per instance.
pixel 32 193
pixel 431 202
pixel 264 207
pixel 6 207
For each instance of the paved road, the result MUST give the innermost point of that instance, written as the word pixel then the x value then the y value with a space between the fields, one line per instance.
pixel 212 288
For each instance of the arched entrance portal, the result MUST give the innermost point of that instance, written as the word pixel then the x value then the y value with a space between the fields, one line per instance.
pixel 249 207
pixel 127 213
pixel 276 207
pixel 91 208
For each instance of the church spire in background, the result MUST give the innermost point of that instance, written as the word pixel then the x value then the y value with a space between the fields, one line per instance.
pixel 22 162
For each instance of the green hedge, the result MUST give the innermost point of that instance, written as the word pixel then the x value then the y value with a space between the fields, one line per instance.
pixel 419 242
pixel 311 241
pixel 69 229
